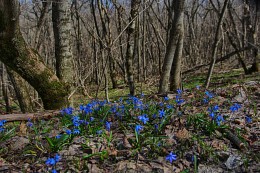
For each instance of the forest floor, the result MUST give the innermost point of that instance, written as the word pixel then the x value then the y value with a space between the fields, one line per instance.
pixel 192 130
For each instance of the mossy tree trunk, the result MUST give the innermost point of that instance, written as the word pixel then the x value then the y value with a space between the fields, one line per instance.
pixel 16 54
pixel 21 91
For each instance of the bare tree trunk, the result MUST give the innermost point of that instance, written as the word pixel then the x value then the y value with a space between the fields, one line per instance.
pixel 16 54
pixel 130 45
pixel 63 53
pixel 5 92
pixel 215 44
pixel 174 48
pixel 21 91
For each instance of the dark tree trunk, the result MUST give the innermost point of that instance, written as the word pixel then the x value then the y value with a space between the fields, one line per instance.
pixel 16 54
pixel 130 45
pixel 174 49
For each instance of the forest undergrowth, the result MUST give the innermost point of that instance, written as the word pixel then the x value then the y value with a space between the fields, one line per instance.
pixel 191 130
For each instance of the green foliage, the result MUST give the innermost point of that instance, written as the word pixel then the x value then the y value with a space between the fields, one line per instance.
pixel 56 144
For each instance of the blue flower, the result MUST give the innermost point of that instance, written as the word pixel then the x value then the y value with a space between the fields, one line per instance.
pixel 168 106
pixel 143 118
pixel 68 132
pixel 235 107
pixel 171 157
pixel 68 111
pixel 139 105
pixel 57 157
pixel 179 101
pixel 58 136
pixel 54 171
pixel 2 123
pixel 108 125
pixel 205 100
pixel 156 127
pixel 99 132
pixel 29 124
pixel 209 94
pixel 179 91
pixel 212 114
pixel 219 120
pixel 76 121
pixel 215 108
pixel 2 129
pixel 81 107
pixel 166 98
pixel 113 109
pixel 92 119
pixel 75 118
pixel 161 104
pixel 76 131
pixel 197 87
pixel 161 113
pixel 50 161
pixel 138 128
pixel 248 119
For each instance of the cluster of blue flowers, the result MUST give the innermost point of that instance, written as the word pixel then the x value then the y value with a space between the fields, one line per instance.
pixel 2 123
pixel 214 114
pixel 29 123
pixel 178 99
pixel 88 114
pixel 208 96
pixel 235 107
pixel 52 161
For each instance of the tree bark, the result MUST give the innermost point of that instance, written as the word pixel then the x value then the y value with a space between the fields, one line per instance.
pixel 16 54
pixel 21 91
pixel 215 44
pixel 130 45
pixel 61 29
pixel 174 48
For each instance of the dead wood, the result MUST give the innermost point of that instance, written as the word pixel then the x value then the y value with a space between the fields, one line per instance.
pixel 233 138
pixel 32 116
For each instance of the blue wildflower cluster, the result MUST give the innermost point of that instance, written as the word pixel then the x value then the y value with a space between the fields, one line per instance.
pixel 29 123
pixel 52 161
pixel 214 115
pixel 178 99
pixel 235 107
pixel 147 119
pixel 208 97
pixel 68 111
pixel 2 123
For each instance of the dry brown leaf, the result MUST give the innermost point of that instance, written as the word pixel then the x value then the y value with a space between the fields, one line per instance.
pixel 183 134
pixel 126 142
pixel 112 152
pixel 218 144
pixel 23 128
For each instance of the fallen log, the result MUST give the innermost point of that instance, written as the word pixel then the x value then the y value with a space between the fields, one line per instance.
pixel 32 116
